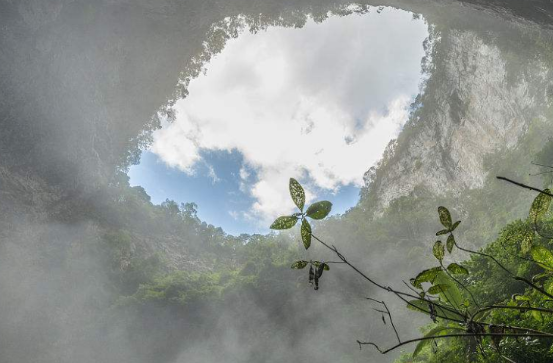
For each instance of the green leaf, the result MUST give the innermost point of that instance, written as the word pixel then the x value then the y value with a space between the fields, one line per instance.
pixel 298 265
pixel 305 233
pixel 537 315
pixel 297 193
pixel 285 222
pixel 548 286
pixel 425 276
pixel 457 269
pixel 437 331
pixel 443 231
pixel 445 217
pixel 438 289
pixel 454 226
pixel 540 276
pixel 319 210
pixel 543 257
pixel 526 244
pixel 452 295
pixel 518 297
pixel 423 306
pixel 438 250
pixel 540 206
pixel 450 243
pixel 418 305
pixel 326 267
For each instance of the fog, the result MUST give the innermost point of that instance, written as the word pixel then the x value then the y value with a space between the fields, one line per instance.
pixel 92 271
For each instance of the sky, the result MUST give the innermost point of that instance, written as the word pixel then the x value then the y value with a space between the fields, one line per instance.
pixel 319 104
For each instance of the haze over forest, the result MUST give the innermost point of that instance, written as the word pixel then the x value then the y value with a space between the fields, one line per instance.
pixel 141 140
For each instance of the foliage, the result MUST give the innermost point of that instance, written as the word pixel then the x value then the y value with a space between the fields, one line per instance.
pixel 488 329
pixel 491 285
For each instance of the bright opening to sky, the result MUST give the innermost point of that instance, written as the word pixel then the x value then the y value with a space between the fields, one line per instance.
pixel 319 104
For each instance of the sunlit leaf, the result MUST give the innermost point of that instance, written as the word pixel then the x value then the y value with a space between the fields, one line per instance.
pixel 457 269
pixel 285 222
pixel 437 289
pixel 543 257
pixel 326 267
pixel 540 206
pixel 443 231
pixel 455 225
pixel 540 276
pixel 438 250
pixel 526 244
pixel 305 233
pixel 537 315
pixel 420 346
pixel 518 297
pixel 425 276
pixel 548 286
pixel 445 217
pixel 298 265
pixel 319 210
pixel 297 193
pixel 450 243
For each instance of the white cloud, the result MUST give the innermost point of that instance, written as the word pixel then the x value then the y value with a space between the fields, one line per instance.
pixel 211 173
pixel 318 103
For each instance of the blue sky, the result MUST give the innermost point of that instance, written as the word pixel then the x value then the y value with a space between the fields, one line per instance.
pixel 218 200
pixel 319 104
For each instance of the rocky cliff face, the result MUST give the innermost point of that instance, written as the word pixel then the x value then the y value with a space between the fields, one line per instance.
pixel 80 80
pixel 481 98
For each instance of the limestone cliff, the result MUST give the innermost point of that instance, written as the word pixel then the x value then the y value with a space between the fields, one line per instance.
pixel 480 99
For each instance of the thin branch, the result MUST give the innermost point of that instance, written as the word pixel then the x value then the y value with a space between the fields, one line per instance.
pixel 542 173
pixel 384 351
pixel 400 294
pixel 389 315
pixel 509 307
pixel 545 166
pixel 409 287
pixel 524 185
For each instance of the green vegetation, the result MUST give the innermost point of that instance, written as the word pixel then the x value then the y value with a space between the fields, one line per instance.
pixel 499 311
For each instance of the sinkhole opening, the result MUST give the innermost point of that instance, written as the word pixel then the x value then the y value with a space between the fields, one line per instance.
pixel 318 103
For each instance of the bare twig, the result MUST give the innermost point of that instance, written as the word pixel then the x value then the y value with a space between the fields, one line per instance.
pixel 545 166
pixel 524 185
pixel 389 315
pixel 445 336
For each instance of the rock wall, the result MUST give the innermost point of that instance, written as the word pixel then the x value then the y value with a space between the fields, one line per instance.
pixel 480 99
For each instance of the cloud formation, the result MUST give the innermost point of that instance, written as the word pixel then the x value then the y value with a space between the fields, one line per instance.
pixel 318 103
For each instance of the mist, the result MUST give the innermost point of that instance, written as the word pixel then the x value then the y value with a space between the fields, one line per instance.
pixel 92 271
